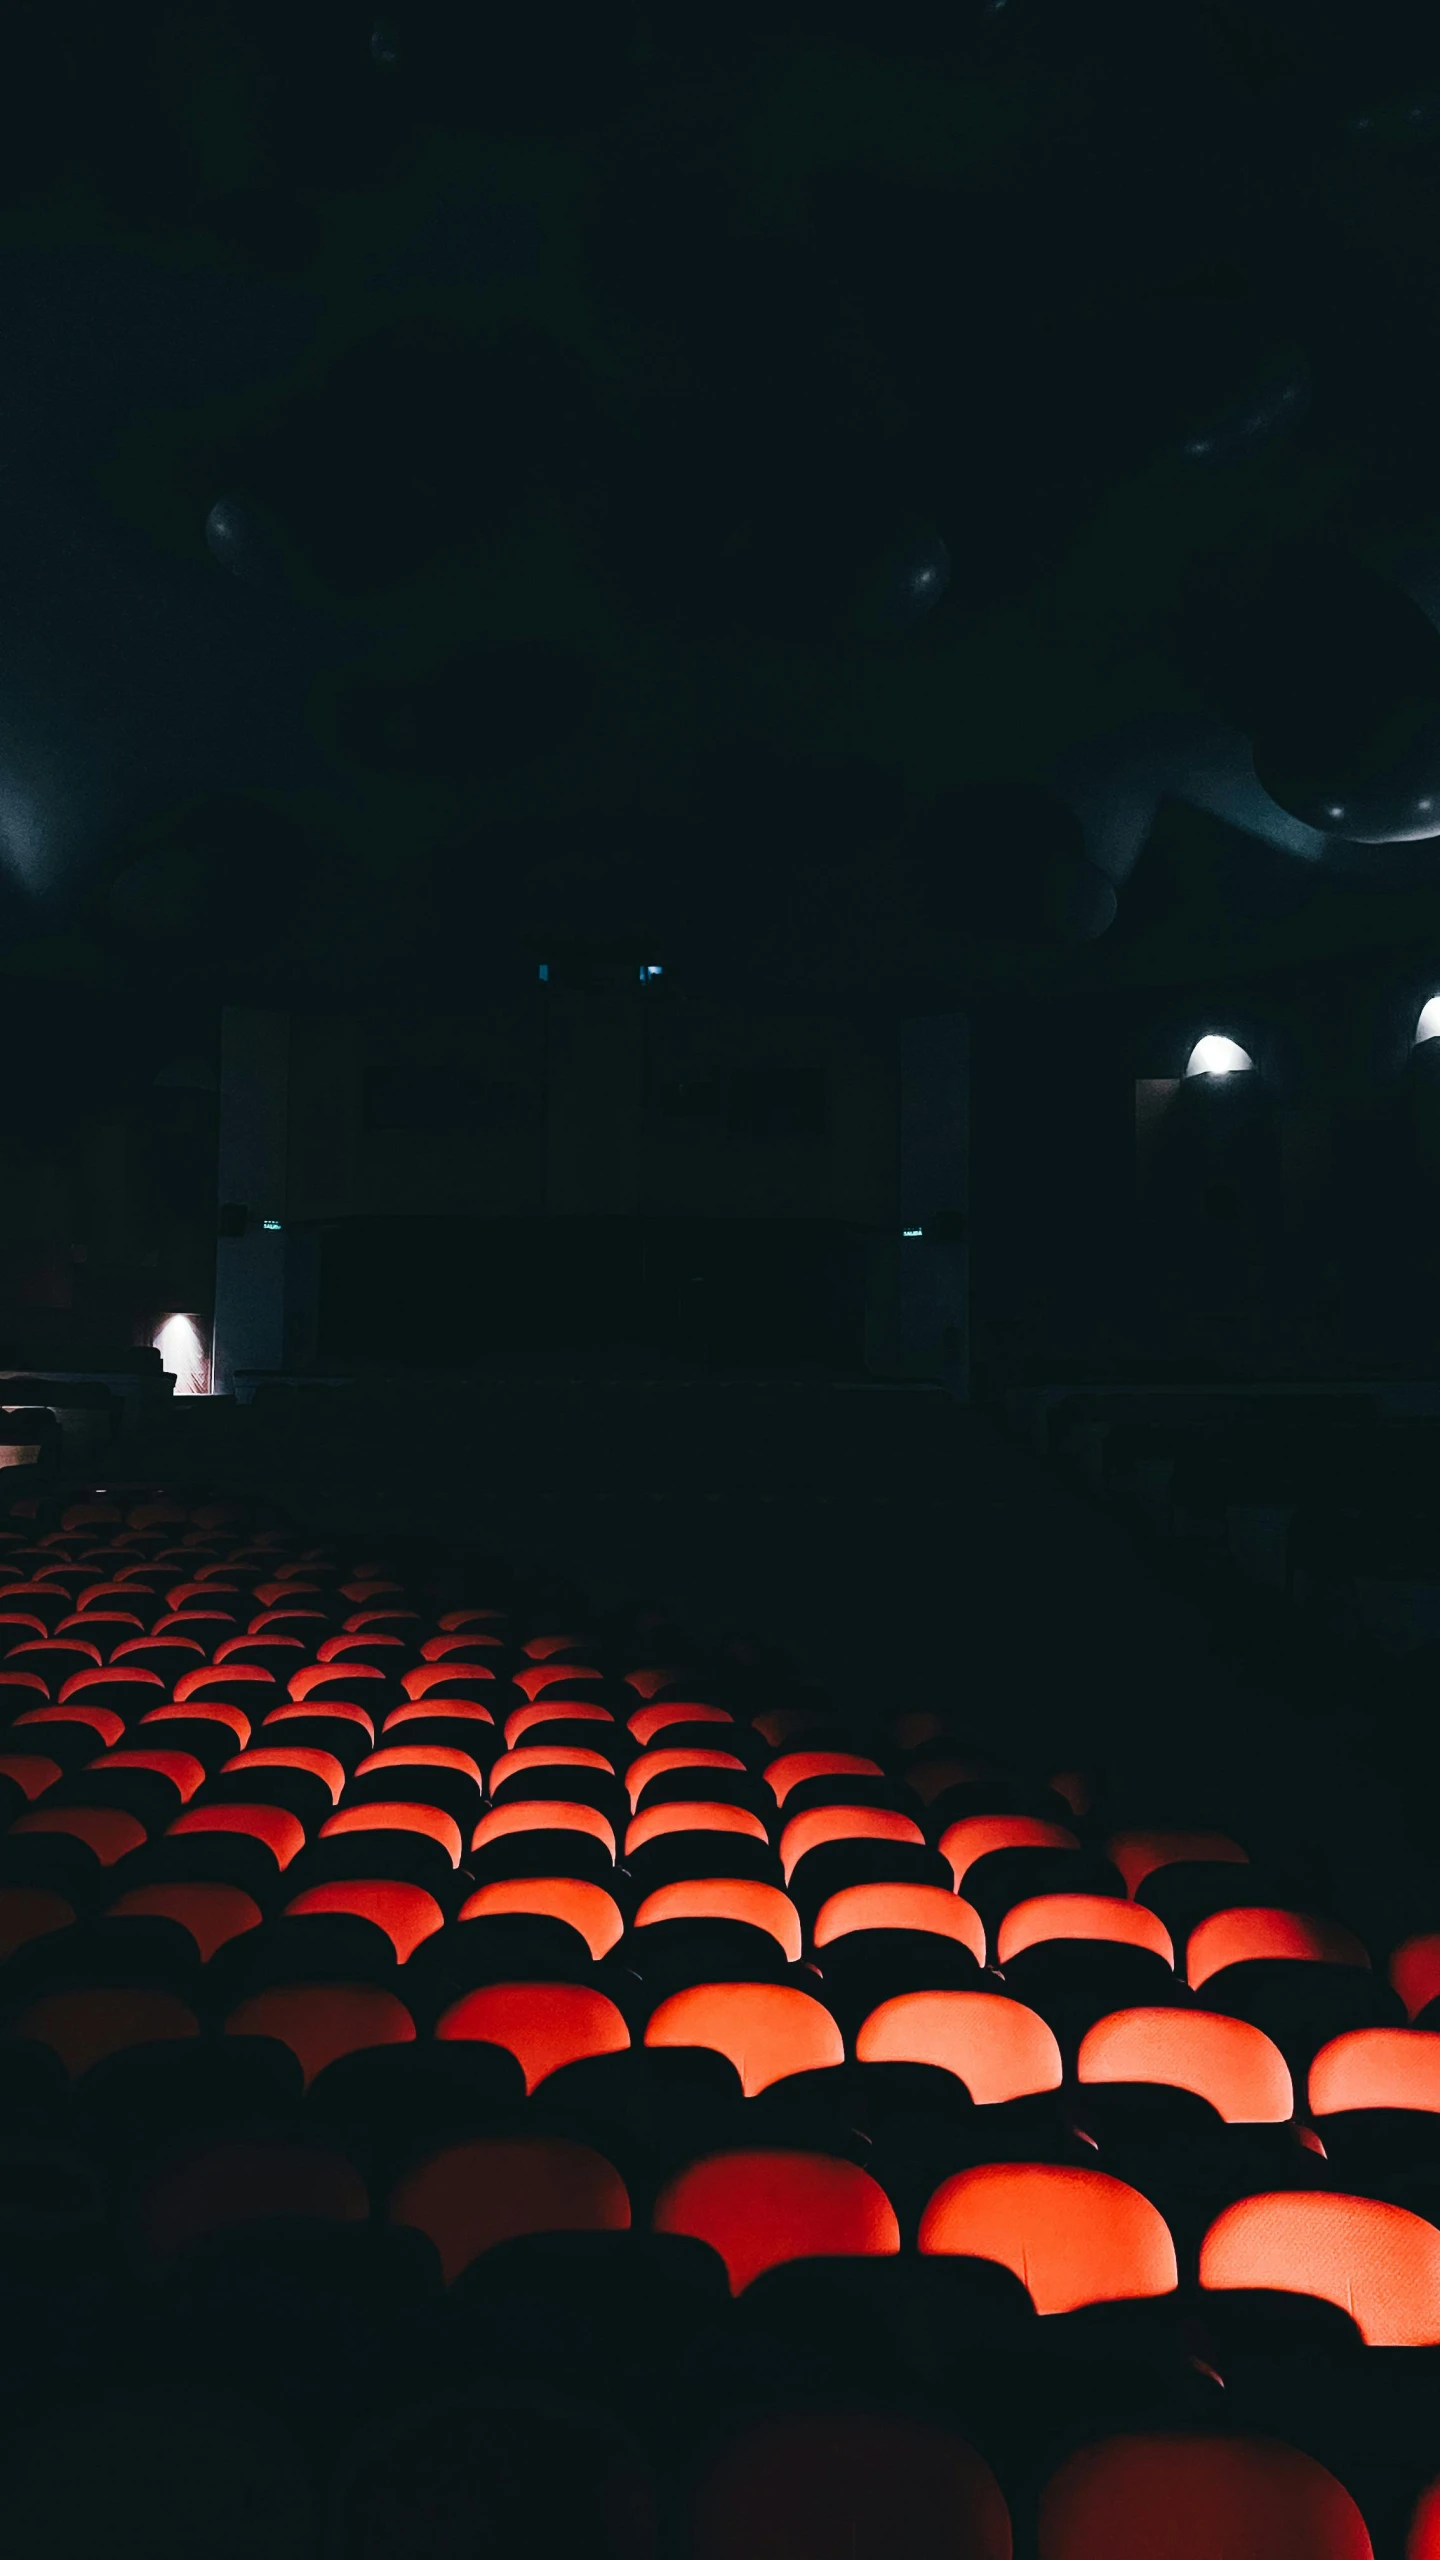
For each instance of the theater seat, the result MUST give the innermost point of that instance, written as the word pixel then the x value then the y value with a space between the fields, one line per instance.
pixel 997 2047
pixel 545 2025
pixel 1225 2061
pixel 1073 2236
pixel 857 2487
pixel 768 2030
pixel 511 2481
pixel 475 2195
pixel 757 2209
pixel 1175 2497
pixel 1376 2261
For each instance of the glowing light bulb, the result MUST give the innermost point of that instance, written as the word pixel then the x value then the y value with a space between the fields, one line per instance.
pixel 1214 1055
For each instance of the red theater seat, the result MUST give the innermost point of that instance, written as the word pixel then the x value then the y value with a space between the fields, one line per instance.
pixel 981 1834
pixel 1251 1935
pixel 292 1755
pixel 320 2021
pixel 1047 1916
pixel 660 1819
pixel 767 2029
pixel 1377 2067
pixel 586 1907
pixel 84 2027
pixel 663 1764
pixel 28 1912
pixel 926 1907
pixel 426 1678
pixel 822 1823
pixel 553 1675
pixel 1423 2541
pixel 759 1906
pixel 1377 2262
pixel 213 1914
pixel 1139 1854
pixel 544 2024
pixel 276 1830
pixel 1177 2497
pixel 1414 1970
pixel 407 1914
pixel 38 1721
pixel 1072 2236
pixel 441 1708
pixel 658 1718
pixel 232 2183
pixel 532 1759
pixel 1231 2065
pixel 999 2049
pixel 105 1832
pixel 525 1720
pixel 477 2194
pixel 758 2209
pixel 853 2487
pixel 424 1819
pixel 794 1768
pixel 542 1813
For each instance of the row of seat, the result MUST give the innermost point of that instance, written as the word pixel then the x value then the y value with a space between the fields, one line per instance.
pixel 366 1948
pixel 511 2478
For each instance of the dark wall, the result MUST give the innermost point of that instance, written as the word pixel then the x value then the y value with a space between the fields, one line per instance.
pixel 1276 1226
pixel 579 1295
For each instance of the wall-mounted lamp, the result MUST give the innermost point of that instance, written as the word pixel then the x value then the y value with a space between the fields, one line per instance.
pixel 1215 1055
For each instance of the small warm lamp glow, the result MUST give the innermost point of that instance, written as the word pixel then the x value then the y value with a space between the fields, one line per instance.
pixel 1214 1055
pixel 1428 1026
pixel 181 1346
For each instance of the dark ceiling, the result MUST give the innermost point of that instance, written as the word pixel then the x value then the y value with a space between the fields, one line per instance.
pixel 827 497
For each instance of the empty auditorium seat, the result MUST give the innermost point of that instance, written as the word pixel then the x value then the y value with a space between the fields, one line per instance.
pixel 858 2487
pixel 544 2024
pixel 321 2021
pixel 768 2030
pixel 997 2047
pixel 1175 2497
pixel 1231 2065
pixel 231 2183
pixel 1376 2261
pixel 758 2208
pixel 442 2482
pixel 477 2194
pixel 1073 2236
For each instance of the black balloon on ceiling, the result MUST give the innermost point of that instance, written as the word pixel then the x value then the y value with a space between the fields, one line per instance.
pixel 1340 675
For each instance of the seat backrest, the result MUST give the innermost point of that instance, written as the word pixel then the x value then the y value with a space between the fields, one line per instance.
pixel 767 2029
pixel 1072 2236
pixel 1377 2067
pixel 1230 2064
pixel 738 1898
pixel 925 1907
pixel 757 2209
pixel 1175 2497
pixel 320 2021
pixel 1048 1916
pixel 808 2487
pixel 1376 2261
pixel 475 2194
pixel 999 2048
pixel 544 2024
pixel 1252 1933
